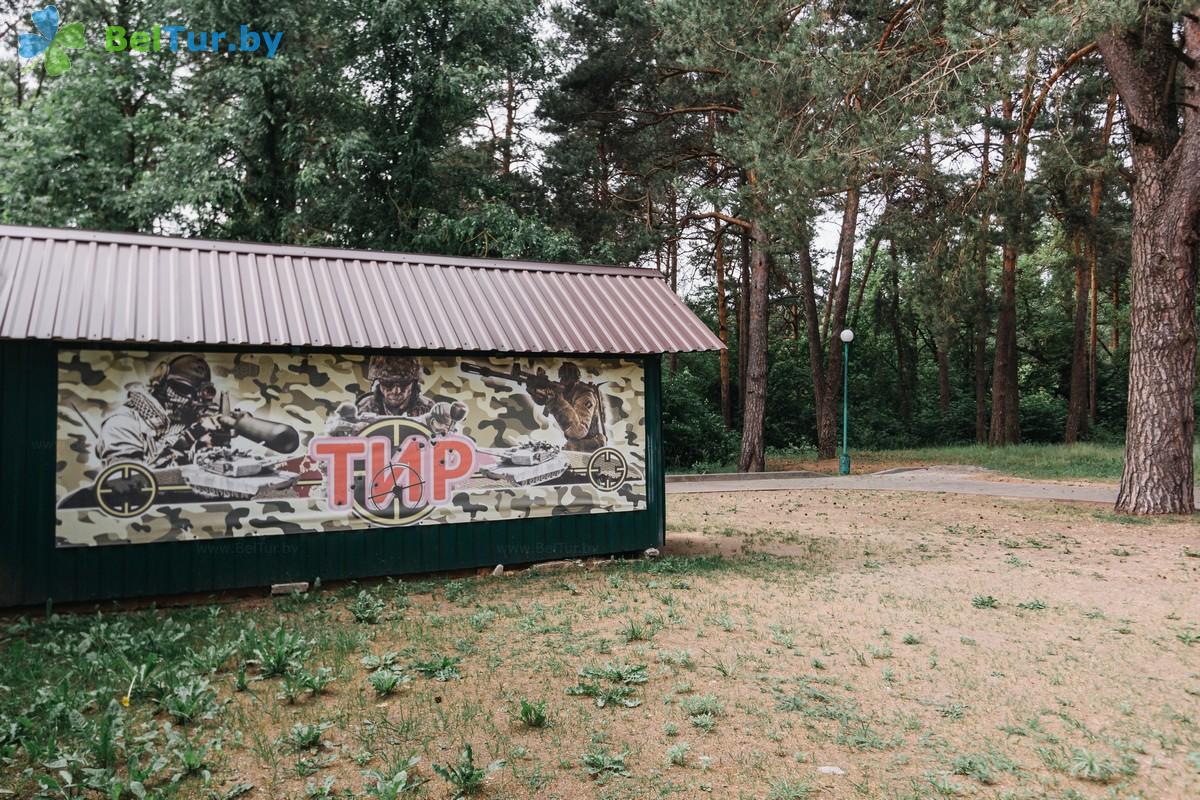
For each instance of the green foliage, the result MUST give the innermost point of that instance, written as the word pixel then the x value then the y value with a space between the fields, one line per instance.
pixel 693 432
pixel 464 777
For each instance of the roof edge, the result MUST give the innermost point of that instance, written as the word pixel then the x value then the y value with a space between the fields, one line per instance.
pixel 266 248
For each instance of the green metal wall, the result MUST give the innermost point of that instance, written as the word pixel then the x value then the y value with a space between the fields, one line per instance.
pixel 32 569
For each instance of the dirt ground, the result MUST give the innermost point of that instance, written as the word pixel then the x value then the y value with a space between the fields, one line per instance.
pixel 850 645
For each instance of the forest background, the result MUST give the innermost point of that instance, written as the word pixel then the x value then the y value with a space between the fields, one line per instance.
pixel 957 181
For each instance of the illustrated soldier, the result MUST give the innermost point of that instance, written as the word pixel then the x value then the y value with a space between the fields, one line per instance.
pixel 395 392
pixel 178 412
pixel 156 423
pixel 395 388
pixel 574 404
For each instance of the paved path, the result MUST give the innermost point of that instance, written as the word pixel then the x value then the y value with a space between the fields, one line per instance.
pixel 953 479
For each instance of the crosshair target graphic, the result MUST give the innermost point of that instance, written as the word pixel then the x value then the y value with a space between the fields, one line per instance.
pixel 397 493
pixel 606 469
pixel 126 489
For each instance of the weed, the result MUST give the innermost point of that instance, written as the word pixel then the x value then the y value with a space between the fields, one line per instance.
pixel 953 711
pixel 677 755
pixel 1188 637
pixel 617 672
pixel 366 608
pixel 789 790
pixel 385 681
pixel 386 661
pixel 439 667
pixel 465 777
pixel 600 762
pixel 402 782
pixel 306 736
pixel 911 638
pixel 705 722
pixel 677 658
pixel 1032 605
pixel 985 601
pixel 279 652
pixel 636 632
pixel 533 715
pixel 1090 766
pixel 191 701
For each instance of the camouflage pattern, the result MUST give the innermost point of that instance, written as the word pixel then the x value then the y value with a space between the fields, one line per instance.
pixel 306 392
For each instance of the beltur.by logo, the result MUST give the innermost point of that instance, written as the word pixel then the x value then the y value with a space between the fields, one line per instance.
pixel 51 40
pixel 173 37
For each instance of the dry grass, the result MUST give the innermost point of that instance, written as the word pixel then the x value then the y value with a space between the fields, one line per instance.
pixel 926 646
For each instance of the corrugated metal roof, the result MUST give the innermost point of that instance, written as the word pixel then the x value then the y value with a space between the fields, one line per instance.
pixel 83 285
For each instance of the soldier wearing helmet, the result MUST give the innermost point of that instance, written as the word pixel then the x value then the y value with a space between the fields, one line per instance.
pixel 151 424
pixel 576 405
pixel 395 388
pixel 395 392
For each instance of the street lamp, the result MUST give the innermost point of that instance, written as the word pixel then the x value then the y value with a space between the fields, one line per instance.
pixel 847 336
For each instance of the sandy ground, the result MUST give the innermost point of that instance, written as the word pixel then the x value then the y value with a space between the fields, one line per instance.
pixel 853 645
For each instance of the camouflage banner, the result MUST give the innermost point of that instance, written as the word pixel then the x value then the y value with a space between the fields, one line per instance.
pixel 174 446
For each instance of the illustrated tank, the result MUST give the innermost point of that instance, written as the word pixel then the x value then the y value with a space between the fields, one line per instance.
pixel 224 472
pixel 527 464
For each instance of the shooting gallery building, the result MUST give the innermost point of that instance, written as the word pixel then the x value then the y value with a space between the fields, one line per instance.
pixel 179 415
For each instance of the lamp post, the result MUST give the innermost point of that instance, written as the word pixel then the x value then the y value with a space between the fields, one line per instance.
pixel 847 336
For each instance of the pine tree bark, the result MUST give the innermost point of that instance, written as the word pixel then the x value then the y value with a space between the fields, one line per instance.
pixel 982 317
pixel 722 325
pixel 1160 432
pixel 752 458
pixel 743 319
pixel 1005 425
pixel 904 370
pixel 816 356
pixel 1077 404
pixel 1097 194
pixel 827 415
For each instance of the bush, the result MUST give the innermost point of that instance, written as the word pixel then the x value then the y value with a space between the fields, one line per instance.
pixel 693 432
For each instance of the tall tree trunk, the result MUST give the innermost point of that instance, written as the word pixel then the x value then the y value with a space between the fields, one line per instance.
pixel 903 369
pixel 816 357
pixel 753 446
pixel 722 325
pixel 1006 424
pixel 1097 194
pixel 743 320
pixel 1077 404
pixel 1160 432
pixel 982 317
pixel 943 366
pixel 841 303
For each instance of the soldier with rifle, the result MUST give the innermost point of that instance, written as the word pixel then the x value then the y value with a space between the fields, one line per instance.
pixel 178 412
pixel 576 405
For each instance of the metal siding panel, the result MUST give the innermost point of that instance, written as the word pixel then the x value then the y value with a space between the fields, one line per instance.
pixel 406 331
pixel 514 333
pixel 369 302
pixel 275 316
pixel 326 295
pixel 352 312
pixel 290 300
pixel 71 320
pixel 635 324
pixel 425 324
pixel 307 285
pixel 163 289
pixel 390 327
pixel 254 307
pixel 598 322
pixel 488 328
